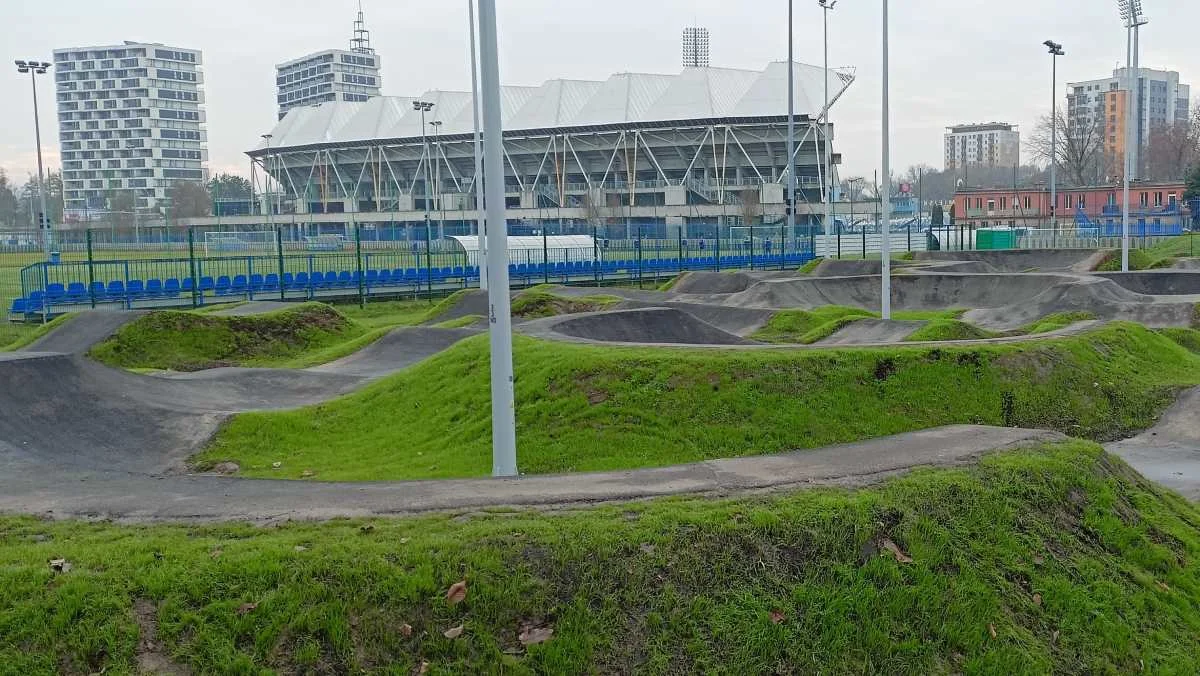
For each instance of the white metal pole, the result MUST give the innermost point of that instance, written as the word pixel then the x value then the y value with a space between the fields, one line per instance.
pixel 1128 147
pixel 885 240
pixel 791 138
pixel 504 433
pixel 1053 144
pixel 1138 105
pixel 828 157
pixel 45 225
pixel 481 224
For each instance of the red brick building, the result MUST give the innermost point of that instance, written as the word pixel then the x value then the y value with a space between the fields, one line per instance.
pixel 1155 204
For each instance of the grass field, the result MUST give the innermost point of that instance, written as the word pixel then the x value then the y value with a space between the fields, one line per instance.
pixel 1057 559
pixel 585 407
pixel 809 326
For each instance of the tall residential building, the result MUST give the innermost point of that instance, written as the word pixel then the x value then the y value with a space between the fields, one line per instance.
pixel 330 75
pixel 130 117
pixel 1161 99
pixel 991 144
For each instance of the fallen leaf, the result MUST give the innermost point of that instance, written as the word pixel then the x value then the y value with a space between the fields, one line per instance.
pixel 1054 637
pixel 403 541
pixel 777 617
pixel 1163 586
pixel 246 607
pixel 535 635
pixel 366 528
pixel 992 630
pixel 216 553
pixel 307 473
pixel 1037 599
pixel 301 548
pixel 406 629
pixel 453 632
pixel 424 668
pixel 457 593
pixel 1038 559
pixel 60 565
pixel 895 551
pixel 646 548
pixel 277 465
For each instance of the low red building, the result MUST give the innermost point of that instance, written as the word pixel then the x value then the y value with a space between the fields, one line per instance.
pixel 1153 204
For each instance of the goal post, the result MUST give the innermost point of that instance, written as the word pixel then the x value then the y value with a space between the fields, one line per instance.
pixel 240 242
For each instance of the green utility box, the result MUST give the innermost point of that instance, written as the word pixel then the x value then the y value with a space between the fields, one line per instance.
pixel 995 238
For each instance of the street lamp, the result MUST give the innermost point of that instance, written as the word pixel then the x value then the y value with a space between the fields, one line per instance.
pixel 1055 51
pixel 437 178
pixel 267 180
pixel 480 226
pixel 424 107
pixel 791 138
pixel 827 6
pixel 885 232
pixel 1131 13
pixel 35 68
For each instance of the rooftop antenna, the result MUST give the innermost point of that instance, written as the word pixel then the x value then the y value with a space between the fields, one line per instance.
pixel 361 42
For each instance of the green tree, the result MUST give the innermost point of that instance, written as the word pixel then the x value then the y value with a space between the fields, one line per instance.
pixel 229 187
pixel 1193 183
pixel 188 199
pixel 10 205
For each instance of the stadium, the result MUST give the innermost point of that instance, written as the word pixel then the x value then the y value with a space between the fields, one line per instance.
pixel 676 154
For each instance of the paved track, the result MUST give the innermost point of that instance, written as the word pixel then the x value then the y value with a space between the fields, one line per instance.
pixel 1169 452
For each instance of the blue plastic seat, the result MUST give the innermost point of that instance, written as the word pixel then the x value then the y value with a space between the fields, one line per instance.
pixel 188 285
pixel 19 307
pixel 344 278
pixel 207 284
pixel 257 282
pixel 270 282
pixel 411 276
pixel 116 289
pixel 135 289
pixel 301 281
pixel 55 293
pixel 458 272
pixel 171 287
pixel 289 280
pixel 384 278
pixel 240 284
pixel 223 285
pixel 96 290
pixel 77 292
pixel 154 287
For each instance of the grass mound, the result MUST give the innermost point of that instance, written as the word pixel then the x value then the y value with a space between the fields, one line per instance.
pixel 460 322
pixel 1188 339
pixel 949 329
pixel 538 302
pixel 1056 321
pixel 589 407
pixel 1056 559
pixel 187 341
pixel 16 335
pixel 805 327
pixel 1162 254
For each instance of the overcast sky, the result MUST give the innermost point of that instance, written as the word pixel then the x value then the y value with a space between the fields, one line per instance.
pixel 953 61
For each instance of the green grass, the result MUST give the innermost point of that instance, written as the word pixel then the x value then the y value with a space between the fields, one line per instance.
pixel 540 302
pixel 586 407
pixel 1056 321
pixel 949 329
pixel 807 268
pixel 1187 338
pixel 1162 254
pixel 460 322
pixel 809 326
pixel 186 341
pixel 391 313
pixel 16 335
pixel 1057 559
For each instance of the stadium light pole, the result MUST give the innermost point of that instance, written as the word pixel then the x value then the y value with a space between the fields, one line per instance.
pixel 424 107
pixel 437 178
pixel 504 433
pixel 1131 13
pixel 267 182
pixel 1055 51
pixel 885 238
pixel 36 68
pixel 480 223
pixel 791 138
pixel 827 7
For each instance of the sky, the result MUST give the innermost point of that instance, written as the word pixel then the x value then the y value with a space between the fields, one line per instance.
pixel 952 61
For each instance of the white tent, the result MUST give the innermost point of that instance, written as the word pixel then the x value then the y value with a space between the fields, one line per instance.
pixel 556 248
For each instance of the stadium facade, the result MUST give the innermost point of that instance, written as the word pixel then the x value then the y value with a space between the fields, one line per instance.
pixel 671 153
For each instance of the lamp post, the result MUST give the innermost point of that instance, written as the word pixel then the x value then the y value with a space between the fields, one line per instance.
pixel 437 178
pixel 885 238
pixel 1055 50
pixel 424 107
pixel 480 227
pixel 791 137
pixel 827 7
pixel 1131 13
pixel 504 433
pixel 267 182
pixel 35 68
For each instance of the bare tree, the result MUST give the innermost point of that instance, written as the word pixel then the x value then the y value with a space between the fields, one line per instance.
pixel 1172 149
pixel 120 207
pixel 1080 149
pixel 593 208
pixel 751 205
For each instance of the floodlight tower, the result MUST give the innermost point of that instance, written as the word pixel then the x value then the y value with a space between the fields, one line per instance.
pixel 36 68
pixel 827 7
pixel 695 47
pixel 1055 51
pixel 1131 13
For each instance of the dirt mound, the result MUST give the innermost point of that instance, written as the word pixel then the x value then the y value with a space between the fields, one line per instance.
pixel 869 331
pixel 1021 260
pixel 703 283
pixel 646 325
pixel 831 267
pixel 1158 282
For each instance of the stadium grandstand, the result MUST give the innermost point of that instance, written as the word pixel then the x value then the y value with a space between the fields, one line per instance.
pixel 692 150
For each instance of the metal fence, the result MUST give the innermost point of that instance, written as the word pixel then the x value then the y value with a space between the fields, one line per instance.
pixel 362 269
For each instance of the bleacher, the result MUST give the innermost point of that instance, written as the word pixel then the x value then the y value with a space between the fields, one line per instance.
pixel 57 298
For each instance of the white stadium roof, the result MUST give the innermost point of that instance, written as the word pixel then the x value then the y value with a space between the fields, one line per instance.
pixel 694 94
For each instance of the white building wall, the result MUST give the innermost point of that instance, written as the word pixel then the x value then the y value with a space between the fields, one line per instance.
pixel 330 75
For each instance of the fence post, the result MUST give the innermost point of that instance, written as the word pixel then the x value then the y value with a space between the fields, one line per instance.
pixel 864 243
pixel 428 261
pixel 680 233
pixel 839 244
pixel 91 271
pixel 279 249
pixel 908 234
pixel 191 242
pixel 782 244
pixel 639 253
pixel 751 247
pixel 595 257
pixel 545 257
pixel 46 287
pixel 358 264
pixel 717 248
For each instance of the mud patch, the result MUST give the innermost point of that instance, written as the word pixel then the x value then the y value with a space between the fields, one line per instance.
pixel 151 656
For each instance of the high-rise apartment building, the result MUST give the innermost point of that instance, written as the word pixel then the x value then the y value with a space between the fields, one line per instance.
pixel 130 118
pixel 992 144
pixel 330 75
pixel 1160 100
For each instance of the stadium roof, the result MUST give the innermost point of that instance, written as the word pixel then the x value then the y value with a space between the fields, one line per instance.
pixel 694 94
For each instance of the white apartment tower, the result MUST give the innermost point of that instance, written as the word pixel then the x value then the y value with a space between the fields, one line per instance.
pixel 991 144
pixel 130 117
pixel 330 75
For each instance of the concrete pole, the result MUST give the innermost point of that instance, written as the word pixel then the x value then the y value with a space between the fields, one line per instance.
pixel 791 138
pixel 1053 144
pixel 885 239
pixel 45 225
pixel 829 185
pixel 481 226
pixel 1128 148
pixel 1138 106
pixel 504 433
